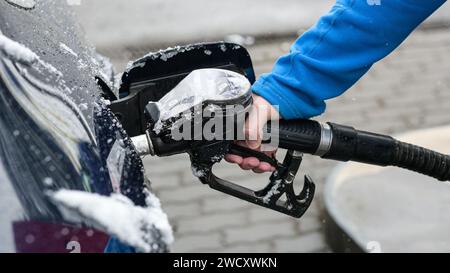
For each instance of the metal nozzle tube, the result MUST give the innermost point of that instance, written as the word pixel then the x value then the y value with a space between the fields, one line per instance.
pixel 143 145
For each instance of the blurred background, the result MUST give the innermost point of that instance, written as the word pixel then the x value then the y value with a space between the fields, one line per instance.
pixel 407 91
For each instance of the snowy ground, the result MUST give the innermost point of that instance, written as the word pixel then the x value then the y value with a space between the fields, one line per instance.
pixel 117 23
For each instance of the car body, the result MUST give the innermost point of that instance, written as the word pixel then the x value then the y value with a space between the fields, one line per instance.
pixel 58 133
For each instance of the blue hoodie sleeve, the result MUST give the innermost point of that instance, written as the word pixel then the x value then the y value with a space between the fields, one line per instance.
pixel 334 54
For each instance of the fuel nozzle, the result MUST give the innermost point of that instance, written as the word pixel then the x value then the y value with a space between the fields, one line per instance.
pixel 177 124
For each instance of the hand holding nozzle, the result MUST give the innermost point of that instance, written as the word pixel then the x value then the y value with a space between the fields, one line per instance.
pixel 261 112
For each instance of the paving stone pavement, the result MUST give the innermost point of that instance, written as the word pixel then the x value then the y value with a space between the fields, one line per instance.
pixel 408 90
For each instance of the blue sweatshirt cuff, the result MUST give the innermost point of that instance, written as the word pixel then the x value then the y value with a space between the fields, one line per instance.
pixel 290 105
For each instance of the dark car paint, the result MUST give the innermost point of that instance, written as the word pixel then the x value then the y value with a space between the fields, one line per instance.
pixel 55 127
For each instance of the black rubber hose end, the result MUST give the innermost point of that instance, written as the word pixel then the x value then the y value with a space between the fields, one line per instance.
pixel 421 160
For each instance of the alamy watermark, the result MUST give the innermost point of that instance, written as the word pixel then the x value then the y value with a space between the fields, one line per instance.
pixel 374 247
pixel 374 2
pixel 74 2
pixel 232 122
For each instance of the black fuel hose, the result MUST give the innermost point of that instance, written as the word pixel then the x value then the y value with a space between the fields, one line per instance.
pixel 344 143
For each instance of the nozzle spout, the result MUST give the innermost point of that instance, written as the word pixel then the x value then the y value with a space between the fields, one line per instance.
pixel 143 145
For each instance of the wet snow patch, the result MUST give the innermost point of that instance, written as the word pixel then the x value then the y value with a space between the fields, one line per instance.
pixel 20 53
pixel 17 51
pixel 141 227
pixel 67 49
